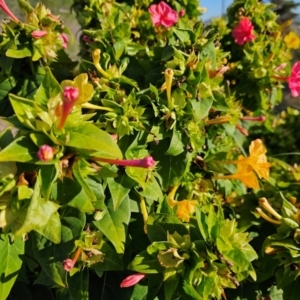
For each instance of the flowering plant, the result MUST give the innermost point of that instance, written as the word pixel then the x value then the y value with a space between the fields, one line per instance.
pixel 129 175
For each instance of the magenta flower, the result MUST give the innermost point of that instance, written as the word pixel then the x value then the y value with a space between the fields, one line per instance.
pixel 132 280
pixel 5 8
pixel 70 95
pixel 243 32
pixel 294 80
pixel 163 14
pixel 37 34
pixel 65 40
pixel 45 153
pixel 147 162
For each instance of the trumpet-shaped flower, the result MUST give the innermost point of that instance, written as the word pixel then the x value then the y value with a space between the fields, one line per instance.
pixel 294 80
pixel 162 14
pixel 243 32
pixel 292 40
pixel 5 8
pixel 70 95
pixel 132 280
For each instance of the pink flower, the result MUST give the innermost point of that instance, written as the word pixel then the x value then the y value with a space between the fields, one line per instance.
pixel 181 13
pixel 45 153
pixel 5 8
pixel 87 39
pixel 70 95
pixel 65 40
pixel 68 264
pixel 147 162
pixel 37 34
pixel 132 280
pixel 163 14
pixel 243 32
pixel 294 80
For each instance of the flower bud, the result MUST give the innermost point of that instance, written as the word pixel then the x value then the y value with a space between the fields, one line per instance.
pixel 65 40
pixel 132 280
pixel 68 264
pixel 37 34
pixel 45 153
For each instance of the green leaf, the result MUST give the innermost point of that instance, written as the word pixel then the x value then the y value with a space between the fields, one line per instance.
pixel 201 108
pixel 158 225
pixel 49 90
pixel 48 175
pixel 85 135
pixel 112 261
pixel 176 146
pixel 190 293
pixel 50 256
pixel 152 190
pixel 145 263
pixel 21 149
pixel 114 224
pixel 78 285
pixel 10 262
pixel 119 188
pixel 22 52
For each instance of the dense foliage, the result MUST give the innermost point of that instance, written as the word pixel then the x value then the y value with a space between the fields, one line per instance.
pixel 129 174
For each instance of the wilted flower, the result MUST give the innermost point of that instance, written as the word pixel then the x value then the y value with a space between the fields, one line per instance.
pixel 45 153
pixel 132 280
pixel 5 8
pixel 65 40
pixel 181 13
pixel 185 208
pixel 37 34
pixel 292 40
pixel 163 14
pixel 294 80
pixel 243 32
pixel 147 162
pixel 70 95
pixel 68 264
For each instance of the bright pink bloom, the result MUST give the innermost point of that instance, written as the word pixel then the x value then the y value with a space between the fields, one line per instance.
pixel 163 14
pixel 181 13
pixel 294 80
pixel 65 40
pixel 37 34
pixel 68 264
pixel 147 162
pixel 243 32
pixel 132 280
pixel 45 153
pixel 70 95
pixel 5 8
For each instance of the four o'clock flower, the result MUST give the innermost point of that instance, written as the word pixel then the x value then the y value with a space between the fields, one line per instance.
pixel 294 80
pixel 68 264
pixel 5 8
pixel 37 34
pixel 45 153
pixel 70 95
pixel 163 15
pixel 132 280
pixel 243 32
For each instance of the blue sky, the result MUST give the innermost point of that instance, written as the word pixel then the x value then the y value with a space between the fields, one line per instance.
pixel 214 7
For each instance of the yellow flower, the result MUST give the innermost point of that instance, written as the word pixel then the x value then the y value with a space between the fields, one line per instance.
pixel 245 174
pixel 257 159
pixel 292 40
pixel 185 208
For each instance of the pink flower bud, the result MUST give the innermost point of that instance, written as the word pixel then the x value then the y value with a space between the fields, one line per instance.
pixel 181 13
pixel 45 153
pixel 37 34
pixel 65 40
pixel 5 8
pixel 87 39
pixel 132 280
pixel 70 95
pixel 242 130
pixel 255 119
pixel 68 264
